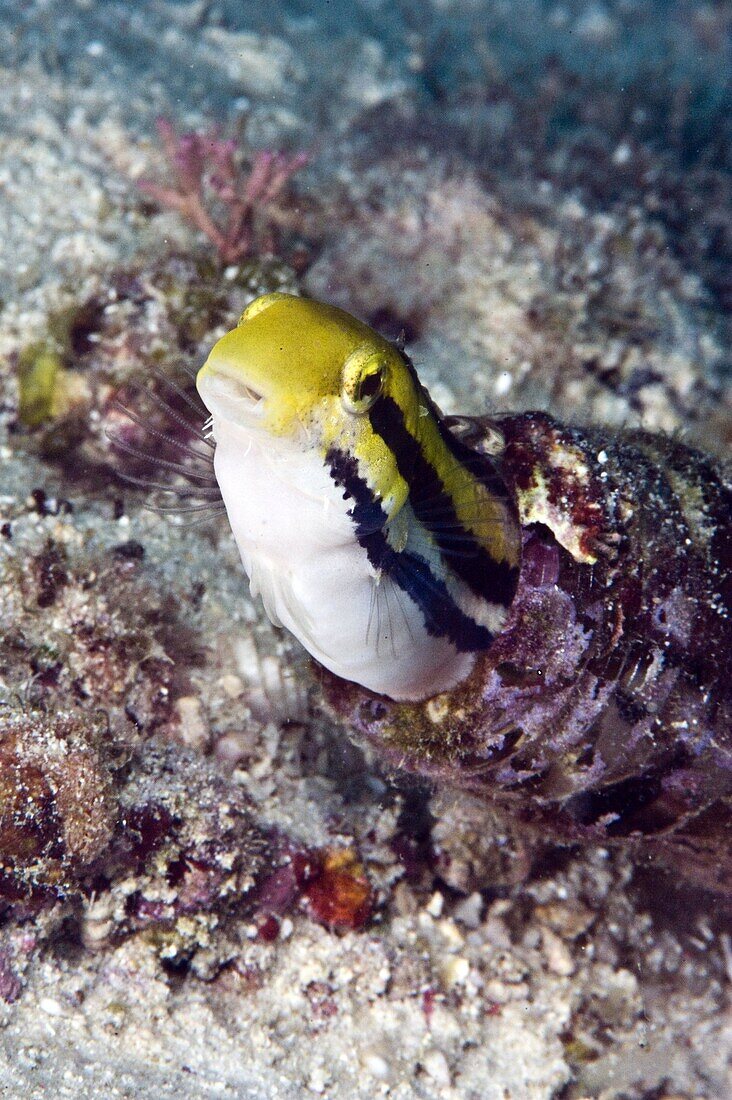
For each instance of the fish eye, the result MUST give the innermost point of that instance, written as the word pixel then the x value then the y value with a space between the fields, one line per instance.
pixel 371 386
pixel 362 381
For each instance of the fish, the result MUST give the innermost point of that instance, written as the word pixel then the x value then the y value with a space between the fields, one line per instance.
pixel 371 532
pixel 536 611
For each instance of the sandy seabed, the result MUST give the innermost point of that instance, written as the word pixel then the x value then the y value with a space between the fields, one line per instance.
pixel 472 980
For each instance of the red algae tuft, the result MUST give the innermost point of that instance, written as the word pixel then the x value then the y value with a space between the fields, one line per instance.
pixel 207 172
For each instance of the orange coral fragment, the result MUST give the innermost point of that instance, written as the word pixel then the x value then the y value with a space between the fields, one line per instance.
pixel 339 894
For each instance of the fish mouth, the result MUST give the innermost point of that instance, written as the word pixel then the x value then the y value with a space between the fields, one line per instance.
pixel 251 400
pixel 252 394
pixel 232 398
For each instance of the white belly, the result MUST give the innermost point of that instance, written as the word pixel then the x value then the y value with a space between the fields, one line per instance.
pixel 298 546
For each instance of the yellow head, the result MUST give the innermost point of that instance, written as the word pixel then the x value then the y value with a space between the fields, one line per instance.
pixel 307 372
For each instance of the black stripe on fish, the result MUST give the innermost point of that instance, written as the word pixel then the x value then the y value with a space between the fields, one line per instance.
pixel 441 614
pixel 478 465
pixel 432 504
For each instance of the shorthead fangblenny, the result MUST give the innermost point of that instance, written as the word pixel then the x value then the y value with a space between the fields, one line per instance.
pixel 535 611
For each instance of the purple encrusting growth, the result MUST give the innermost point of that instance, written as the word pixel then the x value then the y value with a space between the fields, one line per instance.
pixel 207 172
pixel 602 712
